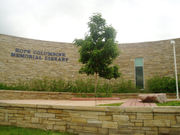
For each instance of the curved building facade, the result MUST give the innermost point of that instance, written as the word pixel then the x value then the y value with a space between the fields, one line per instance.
pixel 26 59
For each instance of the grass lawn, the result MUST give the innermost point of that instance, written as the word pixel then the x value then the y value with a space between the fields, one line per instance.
pixel 113 104
pixel 170 103
pixel 11 130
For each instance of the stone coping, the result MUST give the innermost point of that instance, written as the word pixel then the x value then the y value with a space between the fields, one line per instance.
pixel 26 91
pixel 97 98
pixel 59 93
pixel 50 92
pixel 160 109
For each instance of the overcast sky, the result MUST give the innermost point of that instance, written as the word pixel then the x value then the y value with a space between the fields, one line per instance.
pixel 65 20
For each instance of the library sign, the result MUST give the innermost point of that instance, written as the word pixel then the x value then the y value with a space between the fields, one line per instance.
pixel 39 55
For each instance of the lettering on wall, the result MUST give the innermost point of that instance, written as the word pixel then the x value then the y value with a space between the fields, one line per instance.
pixel 39 55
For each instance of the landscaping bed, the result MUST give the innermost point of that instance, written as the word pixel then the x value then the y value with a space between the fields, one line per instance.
pixel 169 103
pixel 12 130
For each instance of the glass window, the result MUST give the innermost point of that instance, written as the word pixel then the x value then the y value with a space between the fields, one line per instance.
pixel 139 73
pixel 138 62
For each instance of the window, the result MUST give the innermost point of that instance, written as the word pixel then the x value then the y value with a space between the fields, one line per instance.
pixel 139 73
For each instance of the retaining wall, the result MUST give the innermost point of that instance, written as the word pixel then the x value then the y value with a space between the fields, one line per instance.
pixel 94 120
pixel 12 94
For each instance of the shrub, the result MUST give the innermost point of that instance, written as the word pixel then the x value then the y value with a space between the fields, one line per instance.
pixel 60 86
pixel 39 85
pixel 83 86
pixel 17 86
pixel 104 89
pixel 3 86
pixel 125 87
pixel 162 84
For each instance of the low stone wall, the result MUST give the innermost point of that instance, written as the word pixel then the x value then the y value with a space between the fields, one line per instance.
pixel 94 120
pixel 12 94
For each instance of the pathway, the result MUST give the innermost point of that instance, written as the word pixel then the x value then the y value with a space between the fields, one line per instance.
pixel 126 102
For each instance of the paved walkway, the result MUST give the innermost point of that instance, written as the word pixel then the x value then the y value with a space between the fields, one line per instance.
pixel 62 102
pixel 126 102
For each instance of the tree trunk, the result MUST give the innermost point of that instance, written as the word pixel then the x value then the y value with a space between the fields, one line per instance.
pixel 95 85
pixel 108 88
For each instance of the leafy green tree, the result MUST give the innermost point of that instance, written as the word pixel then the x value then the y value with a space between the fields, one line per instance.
pixel 98 50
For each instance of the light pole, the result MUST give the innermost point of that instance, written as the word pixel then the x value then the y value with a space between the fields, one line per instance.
pixel 175 67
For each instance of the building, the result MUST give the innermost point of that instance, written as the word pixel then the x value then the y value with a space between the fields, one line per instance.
pixel 26 59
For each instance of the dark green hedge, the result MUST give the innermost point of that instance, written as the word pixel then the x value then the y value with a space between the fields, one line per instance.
pixel 159 84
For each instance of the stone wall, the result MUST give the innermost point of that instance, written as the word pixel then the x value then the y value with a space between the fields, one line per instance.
pixel 158 59
pixel 20 95
pixel 15 68
pixel 11 95
pixel 94 120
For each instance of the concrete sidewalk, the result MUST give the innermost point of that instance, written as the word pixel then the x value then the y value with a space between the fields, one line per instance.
pixel 126 102
pixel 62 102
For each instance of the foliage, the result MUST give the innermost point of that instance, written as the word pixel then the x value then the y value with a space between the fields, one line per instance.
pixel 104 89
pixel 170 103
pixel 125 87
pixel 11 130
pixel 83 86
pixel 159 84
pixel 16 86
pixel 98 49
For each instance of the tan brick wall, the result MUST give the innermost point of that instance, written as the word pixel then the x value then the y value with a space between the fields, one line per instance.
pixel 94 120
pixel 13 69
pixel 158 59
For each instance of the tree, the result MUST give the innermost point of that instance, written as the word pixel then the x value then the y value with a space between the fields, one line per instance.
pixel 98 50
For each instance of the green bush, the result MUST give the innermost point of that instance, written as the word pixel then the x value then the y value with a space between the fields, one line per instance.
pixel 83 86
pixel 104 89
pixel 3 86
pixel 162 85
pixel 17 86
pixel 59 86
pixel 125 87
pixel 39 85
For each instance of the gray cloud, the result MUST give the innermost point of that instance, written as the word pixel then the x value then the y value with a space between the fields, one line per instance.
pixel 65 20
